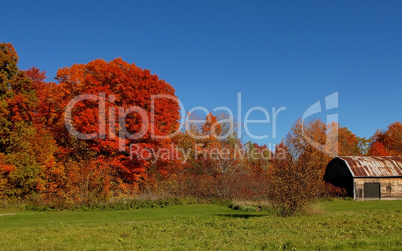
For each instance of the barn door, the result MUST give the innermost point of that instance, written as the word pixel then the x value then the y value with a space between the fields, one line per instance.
pixel 372 190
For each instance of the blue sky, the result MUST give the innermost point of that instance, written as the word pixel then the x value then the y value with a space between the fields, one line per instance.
pixel 276 54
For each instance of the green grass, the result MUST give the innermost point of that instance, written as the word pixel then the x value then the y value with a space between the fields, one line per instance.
pixel 338 225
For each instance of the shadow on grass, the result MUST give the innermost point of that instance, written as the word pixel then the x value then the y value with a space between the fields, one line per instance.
pixel 243 216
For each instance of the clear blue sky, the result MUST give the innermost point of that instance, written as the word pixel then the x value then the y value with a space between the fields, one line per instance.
pixel 282 53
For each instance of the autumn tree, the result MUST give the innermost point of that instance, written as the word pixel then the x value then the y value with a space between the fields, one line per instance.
pixel 299 164
pixel 46 92
pixel 312 143
pixel 378 149
pixel 210 143
pixel 348 144
pixel 258 158
pixel 125 102
pixel 287 188
pixel 217 164
pixel 20 164
pixel 318 142
pixel 17 95
pixel 387 142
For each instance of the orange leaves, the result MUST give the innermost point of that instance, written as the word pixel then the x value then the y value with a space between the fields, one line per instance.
pixel 211 127
pixel 124 86
pixel 259 159
pixel 378 149
pixel 348 143
pixel 296 180
pixel 33 115
pixel 388 142
pixel 46 93
pixel 4 167
pixel 39 155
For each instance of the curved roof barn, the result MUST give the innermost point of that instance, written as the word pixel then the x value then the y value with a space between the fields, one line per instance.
pixel 367 166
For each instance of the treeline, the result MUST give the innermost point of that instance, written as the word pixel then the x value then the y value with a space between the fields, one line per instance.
pixel 81 141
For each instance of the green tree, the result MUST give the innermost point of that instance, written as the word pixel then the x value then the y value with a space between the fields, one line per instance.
pixel 18 103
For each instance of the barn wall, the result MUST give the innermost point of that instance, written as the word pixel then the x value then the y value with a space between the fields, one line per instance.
pixel 390 188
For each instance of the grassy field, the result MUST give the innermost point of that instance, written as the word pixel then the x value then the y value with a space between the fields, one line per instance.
pixel 337 224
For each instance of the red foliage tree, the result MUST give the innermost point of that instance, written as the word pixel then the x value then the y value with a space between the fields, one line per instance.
pixel 348 143
pixel 378 149
pixel 45 92
pixel 121 86
pixel 388 142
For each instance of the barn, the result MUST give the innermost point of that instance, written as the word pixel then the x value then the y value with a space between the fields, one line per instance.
pixel 366 177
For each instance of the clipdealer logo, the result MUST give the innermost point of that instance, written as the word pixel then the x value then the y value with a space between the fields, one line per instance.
pixel 148 121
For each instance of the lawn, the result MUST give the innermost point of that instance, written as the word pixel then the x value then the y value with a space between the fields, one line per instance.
pixel 339 224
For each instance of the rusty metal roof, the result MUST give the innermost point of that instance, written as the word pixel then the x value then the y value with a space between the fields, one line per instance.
pixel 368 166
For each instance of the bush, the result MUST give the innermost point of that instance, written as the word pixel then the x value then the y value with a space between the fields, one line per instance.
pixel 332 191
pixel 293 185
